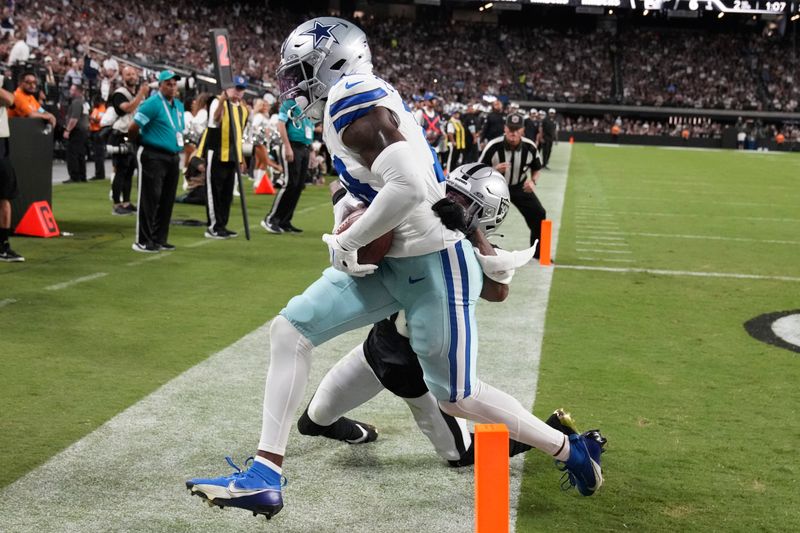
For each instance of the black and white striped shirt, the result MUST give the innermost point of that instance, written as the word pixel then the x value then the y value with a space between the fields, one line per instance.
pixel 522 160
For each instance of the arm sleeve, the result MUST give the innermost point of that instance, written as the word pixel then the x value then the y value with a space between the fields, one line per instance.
pixel 404 174
pixel 146 112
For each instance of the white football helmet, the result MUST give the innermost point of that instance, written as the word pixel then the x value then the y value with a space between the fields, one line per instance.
pixel 314 57
pixel 483 194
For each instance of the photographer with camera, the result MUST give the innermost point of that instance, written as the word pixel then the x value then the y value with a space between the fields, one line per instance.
pixel 123 154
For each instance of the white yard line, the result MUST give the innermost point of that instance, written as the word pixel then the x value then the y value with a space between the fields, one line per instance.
pixel 150 258
pixel 662 272
pixel 708 237
pixel 598 236
pixel 70 283
pixel 128 475
pixel 606 259
pixel 589 242
pixel 7 301
pixel 704 201
pixel 198 244
pixel 603 251
pixel 707 215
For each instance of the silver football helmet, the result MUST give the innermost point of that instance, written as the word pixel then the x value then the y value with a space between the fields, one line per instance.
pixel 482 192
pixel 314 57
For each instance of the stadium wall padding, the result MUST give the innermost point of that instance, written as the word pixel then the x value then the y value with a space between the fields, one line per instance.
pixel 32 157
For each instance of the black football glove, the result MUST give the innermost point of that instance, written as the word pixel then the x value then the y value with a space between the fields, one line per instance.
pixel 454 217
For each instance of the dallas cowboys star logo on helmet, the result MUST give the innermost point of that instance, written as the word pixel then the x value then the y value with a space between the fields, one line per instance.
pixel 321 31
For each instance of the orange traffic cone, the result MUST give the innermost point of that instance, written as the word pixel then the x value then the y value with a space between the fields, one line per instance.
pixel 38 221
pixel 265 186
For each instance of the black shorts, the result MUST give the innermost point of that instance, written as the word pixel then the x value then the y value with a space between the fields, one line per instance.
pixel 8 178
pixel 394 363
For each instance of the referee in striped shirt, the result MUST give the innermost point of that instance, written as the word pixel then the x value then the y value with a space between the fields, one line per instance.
pixel 518 159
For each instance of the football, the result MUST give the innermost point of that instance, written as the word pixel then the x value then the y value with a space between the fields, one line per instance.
pixel 372 253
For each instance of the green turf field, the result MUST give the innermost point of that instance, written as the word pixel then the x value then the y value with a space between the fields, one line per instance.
pixel 701 418
pixel 72 358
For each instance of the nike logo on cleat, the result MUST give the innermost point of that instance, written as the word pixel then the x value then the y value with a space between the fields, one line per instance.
pixel 363 436
pixel 348 85
pixel 413 280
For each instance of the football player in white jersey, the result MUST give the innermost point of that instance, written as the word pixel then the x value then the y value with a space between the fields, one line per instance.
pixel 430 272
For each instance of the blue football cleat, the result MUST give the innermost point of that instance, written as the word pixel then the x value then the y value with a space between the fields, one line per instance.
pixel 257 489
pixel 582 469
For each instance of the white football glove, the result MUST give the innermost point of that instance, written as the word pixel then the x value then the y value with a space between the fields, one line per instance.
pixel 345 260
pixel 342 209
pixel 501 267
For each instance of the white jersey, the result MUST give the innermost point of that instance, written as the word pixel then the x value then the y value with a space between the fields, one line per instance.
pixel 353 97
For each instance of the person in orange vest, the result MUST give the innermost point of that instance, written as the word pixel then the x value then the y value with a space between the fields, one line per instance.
pixel 615 131
pixel 97 139
pixel 780 138
pixel 685 134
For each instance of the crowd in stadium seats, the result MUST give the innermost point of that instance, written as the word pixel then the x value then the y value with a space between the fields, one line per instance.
pixel 661 68
pixel 631 126
pixel 778 72
pixel 560 67
pixel 680 69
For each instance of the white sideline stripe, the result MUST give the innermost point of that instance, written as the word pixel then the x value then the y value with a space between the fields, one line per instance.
pixel 128 474
pixel 7 301
pixel 70 283
pixel 148 259
pixel 661 272
pixel 606 259
pixel 604 251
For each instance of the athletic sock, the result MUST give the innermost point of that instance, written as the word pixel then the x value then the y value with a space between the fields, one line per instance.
pixel 269 464
pixel 342 429
pixel 4 233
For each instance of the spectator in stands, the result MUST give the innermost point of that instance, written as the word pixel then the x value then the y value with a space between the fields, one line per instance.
pixel 76 132
pixel 6 22
pixel 25 103
pixel 20 52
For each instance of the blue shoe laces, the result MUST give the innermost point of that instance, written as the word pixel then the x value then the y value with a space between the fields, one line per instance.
pixel 246 473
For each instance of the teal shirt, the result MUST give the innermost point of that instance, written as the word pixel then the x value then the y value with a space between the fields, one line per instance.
pixel 155 127
pixel 299 131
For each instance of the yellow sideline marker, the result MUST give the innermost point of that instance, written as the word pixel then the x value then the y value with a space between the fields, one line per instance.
pixel 491 478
